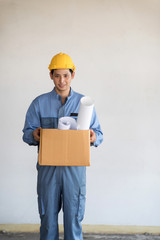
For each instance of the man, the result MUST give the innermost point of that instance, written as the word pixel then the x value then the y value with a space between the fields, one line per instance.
pixel 59 186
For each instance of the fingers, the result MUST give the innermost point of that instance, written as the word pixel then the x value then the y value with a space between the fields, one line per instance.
pixel 92 136
pixel 36 134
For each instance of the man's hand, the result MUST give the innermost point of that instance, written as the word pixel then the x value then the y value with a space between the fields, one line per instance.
pixel 92 136
pixel 36 134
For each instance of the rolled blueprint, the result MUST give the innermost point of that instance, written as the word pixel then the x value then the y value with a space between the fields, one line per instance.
pixel 85 113
pixel 65 123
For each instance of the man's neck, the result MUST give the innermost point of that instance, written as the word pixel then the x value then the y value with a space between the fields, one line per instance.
pixel 63 94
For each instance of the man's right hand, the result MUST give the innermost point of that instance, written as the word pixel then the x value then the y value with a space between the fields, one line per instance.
pixel 36 134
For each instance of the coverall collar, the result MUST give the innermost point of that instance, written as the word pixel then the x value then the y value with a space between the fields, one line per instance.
pixel 59 97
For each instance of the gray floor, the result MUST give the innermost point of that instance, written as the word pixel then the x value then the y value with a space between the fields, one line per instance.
pixel 35 236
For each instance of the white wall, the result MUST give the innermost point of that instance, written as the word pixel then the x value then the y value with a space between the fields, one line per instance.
pixel 115 45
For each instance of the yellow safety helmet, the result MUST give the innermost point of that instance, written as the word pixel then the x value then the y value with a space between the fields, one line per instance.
pixel 61 61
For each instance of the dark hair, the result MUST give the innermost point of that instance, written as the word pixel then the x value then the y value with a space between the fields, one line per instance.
pixel 71 71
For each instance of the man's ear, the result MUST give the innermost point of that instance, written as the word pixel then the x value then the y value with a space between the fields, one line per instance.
pixel 73 74
pixel 51 75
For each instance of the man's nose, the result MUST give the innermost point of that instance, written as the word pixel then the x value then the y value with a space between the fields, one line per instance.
pixel 62 79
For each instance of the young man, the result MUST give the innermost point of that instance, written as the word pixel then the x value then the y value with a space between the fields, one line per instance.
pixel 59 186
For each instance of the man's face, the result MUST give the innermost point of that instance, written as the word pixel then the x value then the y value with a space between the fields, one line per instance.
pixel 62 80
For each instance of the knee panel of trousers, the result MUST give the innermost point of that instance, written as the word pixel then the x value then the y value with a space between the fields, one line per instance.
pixel 50 202
pixel 74 204
pixel 81 203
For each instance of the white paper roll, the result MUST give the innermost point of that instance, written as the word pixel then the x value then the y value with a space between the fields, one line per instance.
pixel 85 113
pixel 66 123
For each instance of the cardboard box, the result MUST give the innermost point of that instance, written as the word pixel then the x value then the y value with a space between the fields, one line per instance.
pixel 64 147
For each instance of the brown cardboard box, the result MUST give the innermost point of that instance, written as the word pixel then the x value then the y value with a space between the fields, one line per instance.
pixel 64 147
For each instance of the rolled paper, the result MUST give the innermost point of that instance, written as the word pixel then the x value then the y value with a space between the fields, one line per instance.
pixel 85 113
pixel 66 123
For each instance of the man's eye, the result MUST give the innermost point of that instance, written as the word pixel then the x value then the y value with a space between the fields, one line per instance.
pixel 65 75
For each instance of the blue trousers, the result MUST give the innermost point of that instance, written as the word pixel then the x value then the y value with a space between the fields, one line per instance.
pixel 61 187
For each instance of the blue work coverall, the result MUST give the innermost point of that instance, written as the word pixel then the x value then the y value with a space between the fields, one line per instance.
pixel 59 186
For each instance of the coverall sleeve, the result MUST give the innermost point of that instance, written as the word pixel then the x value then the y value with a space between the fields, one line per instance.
pixel 32 122
pixel 95 125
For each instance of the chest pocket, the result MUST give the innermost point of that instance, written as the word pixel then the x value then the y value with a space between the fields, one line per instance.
pixel 49 123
